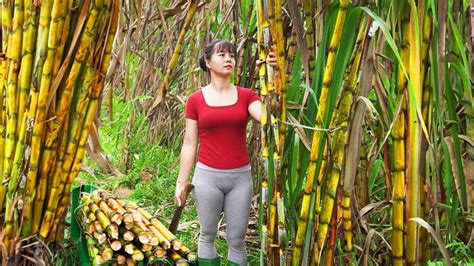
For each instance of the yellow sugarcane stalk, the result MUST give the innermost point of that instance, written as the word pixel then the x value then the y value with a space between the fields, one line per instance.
pixel 70 158
pixel 15 39
pixel 311 172
pixel 273 222
pixel 98 85
pixel 34 140
pixel 28 49
pixel 48 157
pixel 281 88
pixel 27 53
pixel 308 17
pixel 6 22
pixel 423 252
pixel 414 180
pixel 2 123
pixel 62 177
pixel 41 115
pixel 161 93
pixel 64 24
pixel 290 56
pixel 347 189
pixel 341 120
pixel 266 87
pixel 13 53
pixel 398 138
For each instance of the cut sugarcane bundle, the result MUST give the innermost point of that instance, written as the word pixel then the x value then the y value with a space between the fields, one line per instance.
pixel 137 237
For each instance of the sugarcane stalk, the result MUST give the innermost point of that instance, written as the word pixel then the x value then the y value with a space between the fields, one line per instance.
pixel 106 252
pixel 281 88
pixel 6 22
pixel 332 239
pixel 186 253
pixel 398 138
pixel 127 235
pixel 121 259
pixel 41 116
pixel 262 41
pixel 64 24
pixel 2 126
pixel 413 176
pixel 127 217
pixel 161 92
pixel 290 55
pixel 178 260
pixel 113 215
pixel 13 54
pixel 159 252
pixel 24 127
pixel 93 228
pixel 308 17
pixel 423 253
pixel 110 228
pixel 341 120
pixel 149 256
pixel 50 154
pixel 30 28
pixel 116 245
pixel 175 243
pixel 68 170
pixel 97 87
pixel 311 172
pixel 275 225
pixel 143 236
pixel 94 251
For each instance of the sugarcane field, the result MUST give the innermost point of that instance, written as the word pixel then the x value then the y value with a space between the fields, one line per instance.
pixel 237 132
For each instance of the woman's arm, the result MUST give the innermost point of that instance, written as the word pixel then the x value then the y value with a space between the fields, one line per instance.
pixel 187 159
pixel 255 110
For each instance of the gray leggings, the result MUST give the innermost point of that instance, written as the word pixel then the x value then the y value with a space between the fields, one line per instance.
pixel 223 189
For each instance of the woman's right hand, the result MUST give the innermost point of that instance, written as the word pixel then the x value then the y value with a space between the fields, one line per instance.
pixel 180 193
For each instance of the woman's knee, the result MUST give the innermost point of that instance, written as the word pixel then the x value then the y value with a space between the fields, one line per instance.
pixel 236 243
pixel 208 234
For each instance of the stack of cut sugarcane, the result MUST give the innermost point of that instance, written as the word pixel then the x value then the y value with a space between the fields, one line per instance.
pixel 121 231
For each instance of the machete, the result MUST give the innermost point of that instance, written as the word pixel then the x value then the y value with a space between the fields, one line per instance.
pixel 177 214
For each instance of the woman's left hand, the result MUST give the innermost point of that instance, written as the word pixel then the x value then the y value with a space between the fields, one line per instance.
pixel 271 60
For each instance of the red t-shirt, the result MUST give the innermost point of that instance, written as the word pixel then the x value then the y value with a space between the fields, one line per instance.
pixel 222 129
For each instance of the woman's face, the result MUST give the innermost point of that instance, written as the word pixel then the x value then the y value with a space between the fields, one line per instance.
pixel 222 63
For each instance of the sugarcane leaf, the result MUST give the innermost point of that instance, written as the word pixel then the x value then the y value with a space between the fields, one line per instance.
pixel 299 28
pixel 452 157
pixel 300 132
pixel 455 130
pixel 458 42
pixel 343 54
pixel 436 236
pixel 368 240
pixel 465 89
pixel 383 26
pixel 374 172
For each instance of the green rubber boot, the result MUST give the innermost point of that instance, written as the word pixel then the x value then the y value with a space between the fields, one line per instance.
pixel 209 262
pixel 231 263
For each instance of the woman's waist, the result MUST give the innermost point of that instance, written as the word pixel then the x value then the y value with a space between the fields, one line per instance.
pixel 245 168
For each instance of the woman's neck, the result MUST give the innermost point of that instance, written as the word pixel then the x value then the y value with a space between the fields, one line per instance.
pixel 220 84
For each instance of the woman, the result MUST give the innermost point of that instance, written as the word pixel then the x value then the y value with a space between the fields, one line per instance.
pixel 217 115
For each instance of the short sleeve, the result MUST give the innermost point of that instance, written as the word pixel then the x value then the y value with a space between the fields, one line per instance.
pixel 252 97
pixel 190 109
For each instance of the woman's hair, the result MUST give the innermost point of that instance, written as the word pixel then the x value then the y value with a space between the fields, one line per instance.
pixel 215 47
